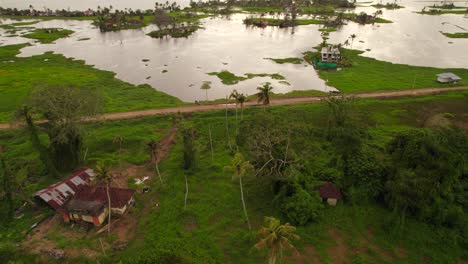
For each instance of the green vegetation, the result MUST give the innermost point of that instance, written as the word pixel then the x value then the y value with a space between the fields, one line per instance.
pixel 438 11
pixel 367 74
pixel 327 29
pixel 214 230
pixel 393 5
pixel 18 24
pixel 21 75
pixel 178 32
pixel 262 22
pixel 230 78
pixel 287 60
pixel 48 35
pixel 456 35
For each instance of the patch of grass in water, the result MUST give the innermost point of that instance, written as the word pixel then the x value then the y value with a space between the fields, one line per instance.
pixel 230 78
pixel 48 35
pixel 287 60
pixel 456 35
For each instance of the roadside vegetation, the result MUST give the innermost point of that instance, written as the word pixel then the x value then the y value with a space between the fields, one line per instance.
pixel 48 35
pixel 378 221
pixel 20 76
pixel 363 74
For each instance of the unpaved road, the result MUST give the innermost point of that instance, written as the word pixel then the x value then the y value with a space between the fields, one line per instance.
pixel 283 101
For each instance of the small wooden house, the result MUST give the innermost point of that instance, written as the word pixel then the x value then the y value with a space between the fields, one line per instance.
pixel 90 204
pixel 330 193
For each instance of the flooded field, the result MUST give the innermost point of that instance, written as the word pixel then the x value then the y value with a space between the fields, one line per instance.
pixel 180 66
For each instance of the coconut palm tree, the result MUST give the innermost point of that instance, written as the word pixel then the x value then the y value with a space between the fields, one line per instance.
pixel 235 95
pixel 206 86
pixel 240 168
pixel 104 176
pixel 275 238
pixel 264 92
pixel 153 148
pixel 241 99
pixel 353 36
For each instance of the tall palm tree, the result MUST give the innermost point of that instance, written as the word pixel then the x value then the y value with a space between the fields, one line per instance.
pixel 275 238
pixel 235 95
pixel 104 176
pixel 241 99
pixel 153 149
pixel 353 36
pixel 240 167
pixel 264 92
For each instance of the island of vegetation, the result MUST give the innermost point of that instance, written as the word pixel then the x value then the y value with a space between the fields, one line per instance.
pixel 388 5
pixel 444 8
pixel 230 78
pixel 456 35
pixel 287 60
pixel 48 35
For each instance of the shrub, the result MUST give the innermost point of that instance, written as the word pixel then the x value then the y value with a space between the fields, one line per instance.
pixel 301 207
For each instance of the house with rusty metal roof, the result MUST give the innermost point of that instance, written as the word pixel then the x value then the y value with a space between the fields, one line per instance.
pixel 58 194
pixel 329 193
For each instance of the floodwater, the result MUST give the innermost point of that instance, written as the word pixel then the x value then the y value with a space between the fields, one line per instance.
pixel 85 4
pixel 226 44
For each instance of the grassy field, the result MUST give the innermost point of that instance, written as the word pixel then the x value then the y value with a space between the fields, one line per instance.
pixel 19 75
pixel 368 74
pixel 48 35
pixel 456 35
pixel 230 78
pixel 211 229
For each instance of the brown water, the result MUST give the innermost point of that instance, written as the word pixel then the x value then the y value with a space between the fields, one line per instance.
pixel 226 44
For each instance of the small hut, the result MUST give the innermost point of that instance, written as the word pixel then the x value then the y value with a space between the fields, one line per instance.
pixel 330 193
pixel 448 77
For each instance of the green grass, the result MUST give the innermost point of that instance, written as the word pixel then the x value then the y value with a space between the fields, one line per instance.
pixel 444 12
pixel 456 35
pixel 276 22
pixel 21 74
pixel 211 230
pixel 327 29
pixel 230 78
pixel 287 60
pixel 181 32
pixel 368 74
pixel 48 35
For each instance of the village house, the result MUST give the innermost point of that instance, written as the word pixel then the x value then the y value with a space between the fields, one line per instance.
pixel 448 77
pixel 330 193
pixel 88 12
pixel 90 204
pixel 330 54
pixel 78 201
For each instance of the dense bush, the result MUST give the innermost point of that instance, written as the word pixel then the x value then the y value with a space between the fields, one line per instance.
pixel 301 207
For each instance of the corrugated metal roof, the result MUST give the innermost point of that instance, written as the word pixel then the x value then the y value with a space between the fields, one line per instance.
pixel 58 194
pixel 449 75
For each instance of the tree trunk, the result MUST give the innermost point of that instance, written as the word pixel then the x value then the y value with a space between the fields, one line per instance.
pixel 211 144
pixel 227 127
pixel 237 123
pixel 110 208
pixel 186 191
pixel 159 174
pixel 243 203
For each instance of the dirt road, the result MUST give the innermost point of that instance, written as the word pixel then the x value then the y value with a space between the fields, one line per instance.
pixel 283 101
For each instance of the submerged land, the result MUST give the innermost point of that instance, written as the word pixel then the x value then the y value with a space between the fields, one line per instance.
pixel 391 138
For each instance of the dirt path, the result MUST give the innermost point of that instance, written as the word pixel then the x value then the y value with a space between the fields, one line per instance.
pixel 281 101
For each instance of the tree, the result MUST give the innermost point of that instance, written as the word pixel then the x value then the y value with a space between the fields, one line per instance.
pixel 353 36
pixel 64 108
pixel 241 167
pixel 104 176
pixel 275 238
pixel 301 207
pixel 189 152
pixel 235 95
pixel 264 92
pixel 206 86
pixel 241 99
pixel 153 147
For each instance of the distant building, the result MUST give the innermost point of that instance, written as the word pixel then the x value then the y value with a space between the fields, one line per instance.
pixel 448 77
pixel 330 54
pixel 88 12
pixel 330 193
pixel 90 204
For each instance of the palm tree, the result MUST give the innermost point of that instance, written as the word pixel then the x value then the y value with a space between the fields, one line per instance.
pixel 104 176
pixel 153 148
pixel 235 95
pixel 275 238
pixel 206 86
pixel 241 99
pixel 241 168
pixel 353 36
pixel 263 94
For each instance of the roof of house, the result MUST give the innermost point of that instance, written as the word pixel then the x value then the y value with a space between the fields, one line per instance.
pixel 330 49
pixel 91 208
pixel 90 195
pixel 58 194
pixel 329 190
pixel 449 75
